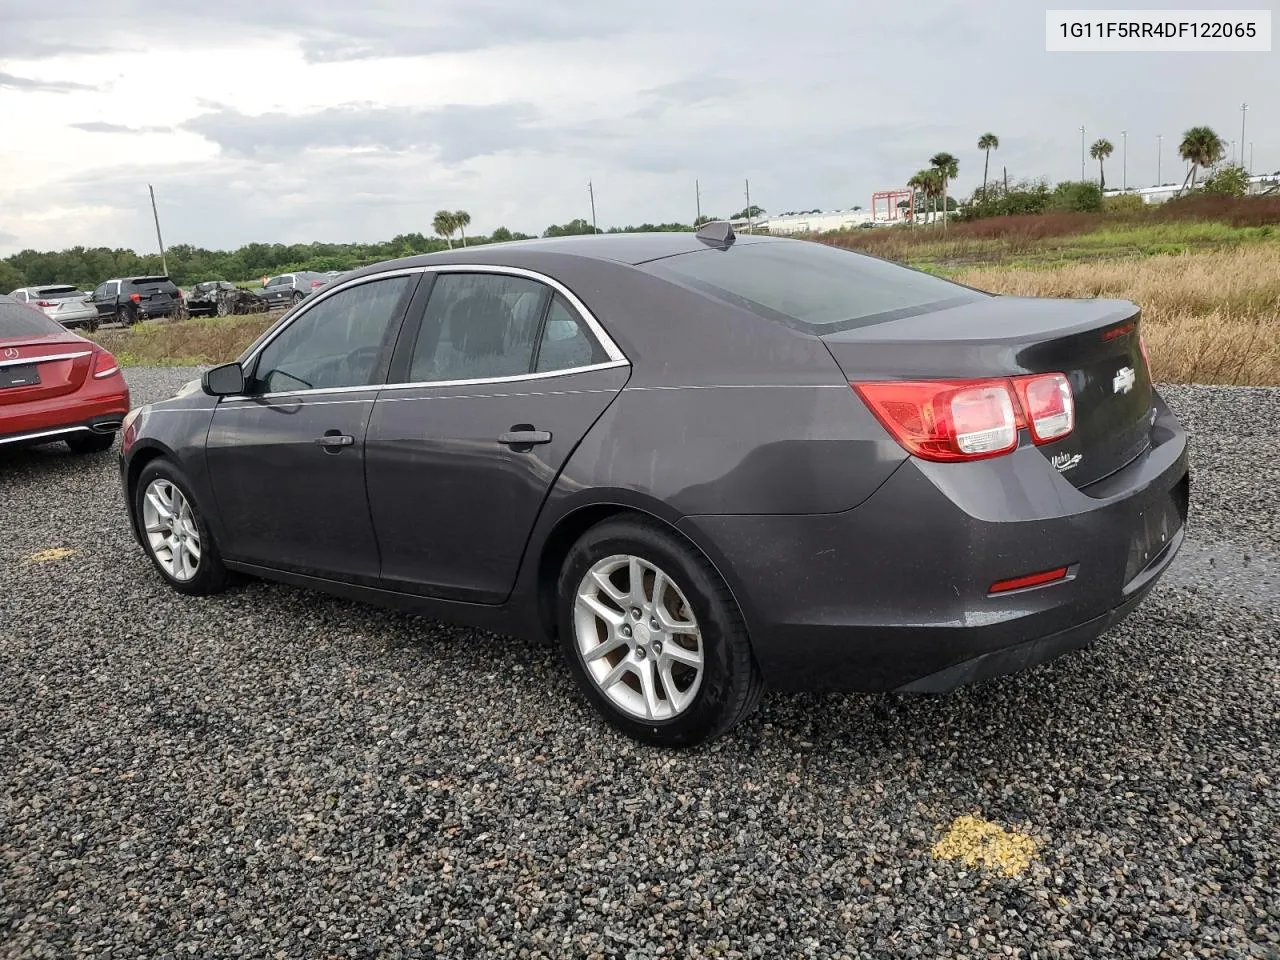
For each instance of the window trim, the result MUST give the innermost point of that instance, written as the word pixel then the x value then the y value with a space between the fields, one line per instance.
pixel 616 357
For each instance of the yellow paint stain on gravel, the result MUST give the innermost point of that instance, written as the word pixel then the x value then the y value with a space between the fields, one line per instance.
pixel 976 842
pixel 53 553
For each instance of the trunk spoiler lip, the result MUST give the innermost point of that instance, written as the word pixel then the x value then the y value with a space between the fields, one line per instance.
pixel 1072 315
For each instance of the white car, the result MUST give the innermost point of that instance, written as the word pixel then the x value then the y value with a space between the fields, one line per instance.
pixel 66 304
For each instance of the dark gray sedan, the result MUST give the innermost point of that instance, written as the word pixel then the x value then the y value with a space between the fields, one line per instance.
pixel 705 463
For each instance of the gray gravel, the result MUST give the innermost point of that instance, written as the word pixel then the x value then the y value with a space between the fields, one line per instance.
pixel 272 773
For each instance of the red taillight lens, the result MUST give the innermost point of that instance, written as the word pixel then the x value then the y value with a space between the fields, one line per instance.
pixel 178 294
pixel 949 420
pixel 1048 405
pixel 135 297
pixel 104 365
pixel 45 303
pixel 946 420
pixel 317 283
pixel 1142 343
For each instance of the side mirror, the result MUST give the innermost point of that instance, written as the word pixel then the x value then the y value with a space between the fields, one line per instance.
pixel 226 380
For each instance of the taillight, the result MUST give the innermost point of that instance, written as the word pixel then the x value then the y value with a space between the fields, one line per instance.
pixel 178 294
pixel 317 283
pixel 1142 343
pixel 946 420
pixel 45 303
pixel 950 420
pixel 1048 405
pixel 135 297
pixel 104 365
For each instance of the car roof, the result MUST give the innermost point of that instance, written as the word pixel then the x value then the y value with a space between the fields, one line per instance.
pixel 627 248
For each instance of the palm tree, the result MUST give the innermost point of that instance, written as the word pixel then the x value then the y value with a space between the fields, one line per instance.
pixel 445 225
pixel 1202 148
pixel 463 220
pixel 987 142
pixel 920 182
pixel 1100 150
pixel 948 167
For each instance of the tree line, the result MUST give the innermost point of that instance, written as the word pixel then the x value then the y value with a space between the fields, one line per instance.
pixel 86 267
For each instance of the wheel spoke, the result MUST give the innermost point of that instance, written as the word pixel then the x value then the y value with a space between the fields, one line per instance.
pixel 674 696
pixel 175 548
pixel 635 576
pixel 673 625
pixel 158 527
pixel 678 654
pixel 157 502
pixel 610 589
pixel 659 588
pixel 192 548
pixel 645 671
pixel 616 674
pixel 601 610
pixel 605 648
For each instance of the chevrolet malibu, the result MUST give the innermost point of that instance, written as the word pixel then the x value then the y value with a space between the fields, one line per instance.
pixel 705 463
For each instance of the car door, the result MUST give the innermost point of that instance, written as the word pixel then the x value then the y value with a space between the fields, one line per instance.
pixel 286 460
pixel 497 378
pixel 104 298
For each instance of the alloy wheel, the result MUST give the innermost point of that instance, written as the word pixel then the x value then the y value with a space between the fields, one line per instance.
pixel 173 536
pixel 638 637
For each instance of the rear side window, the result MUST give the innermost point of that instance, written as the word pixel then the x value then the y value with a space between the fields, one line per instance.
pixel 19 320
pixel 812 286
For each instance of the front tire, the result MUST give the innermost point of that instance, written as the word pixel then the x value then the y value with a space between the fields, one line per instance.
pixel 174 533
pixel 653 635
pixel 82 443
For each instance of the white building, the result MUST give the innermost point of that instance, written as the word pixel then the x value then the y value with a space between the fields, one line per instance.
pixel 807 222
pixel 1258 184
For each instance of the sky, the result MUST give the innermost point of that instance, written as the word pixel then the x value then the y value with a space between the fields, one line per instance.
pixel 302 120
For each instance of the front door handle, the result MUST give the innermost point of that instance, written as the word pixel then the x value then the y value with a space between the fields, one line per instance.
pixel 525 437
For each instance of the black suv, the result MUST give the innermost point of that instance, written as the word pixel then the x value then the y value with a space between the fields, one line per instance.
pixel 131 299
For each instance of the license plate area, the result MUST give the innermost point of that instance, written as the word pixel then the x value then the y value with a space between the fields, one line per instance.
pixel 19 375
pixel 1154 532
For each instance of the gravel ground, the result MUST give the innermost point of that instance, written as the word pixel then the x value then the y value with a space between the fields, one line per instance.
pixel 272 773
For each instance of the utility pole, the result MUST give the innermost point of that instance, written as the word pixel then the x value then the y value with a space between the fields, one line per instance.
pixel 1082 153
pixel 592 193
pixel 1159 153
pixel 1124 161
pixel 164 263
pixel 750 225
pixel 1243 108
pixel 697 191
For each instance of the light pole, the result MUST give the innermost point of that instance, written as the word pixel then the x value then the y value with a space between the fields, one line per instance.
pixel 591 192
pixel 1159 152
pixel 1124 161
pixel 1082 153
pixel 1243 108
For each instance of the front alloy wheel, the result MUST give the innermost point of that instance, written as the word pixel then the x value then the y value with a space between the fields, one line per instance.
pixel 175 536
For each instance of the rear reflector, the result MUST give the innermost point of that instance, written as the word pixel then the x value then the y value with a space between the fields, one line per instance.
pixel 1030 580
pixel 104 365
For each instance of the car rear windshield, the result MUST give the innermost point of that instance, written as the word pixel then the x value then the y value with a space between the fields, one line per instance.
pixel 19 320
pixel 158 283
pixel 812 286
pixel 59 291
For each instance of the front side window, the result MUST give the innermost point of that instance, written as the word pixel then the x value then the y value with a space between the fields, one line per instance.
pixel 478 326
pixel 336 343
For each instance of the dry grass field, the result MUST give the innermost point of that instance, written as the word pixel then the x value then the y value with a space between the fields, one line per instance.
pixel 185 342
pixel 1207 317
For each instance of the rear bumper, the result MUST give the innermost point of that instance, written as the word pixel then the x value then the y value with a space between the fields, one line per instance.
pixel 53 420
pixel 894 594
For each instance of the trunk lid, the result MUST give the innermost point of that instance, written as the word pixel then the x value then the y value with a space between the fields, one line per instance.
pixel 39 360
pixel 157 292
pixel 1093 342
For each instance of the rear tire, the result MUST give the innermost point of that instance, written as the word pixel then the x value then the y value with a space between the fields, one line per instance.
pixel 178 518
pixel 130 315
pixel 82 443
pixel 691 619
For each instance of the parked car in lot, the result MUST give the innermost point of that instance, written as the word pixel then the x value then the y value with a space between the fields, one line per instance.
pixel 130 300
pixel 290 288
pixel 69 305
pixel 55 385
pixel 222 298
pixel 706 463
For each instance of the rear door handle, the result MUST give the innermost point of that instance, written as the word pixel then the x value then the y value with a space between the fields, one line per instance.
pixel 335 439
pixel 524 438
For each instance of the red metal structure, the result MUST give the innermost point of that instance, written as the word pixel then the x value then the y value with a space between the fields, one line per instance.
pixel 891 198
